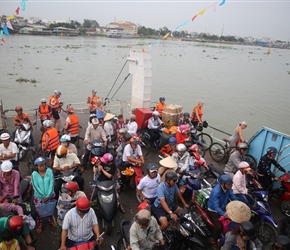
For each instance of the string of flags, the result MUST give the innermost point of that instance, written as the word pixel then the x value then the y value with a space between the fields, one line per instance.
pixel 8 23
pixel 201 12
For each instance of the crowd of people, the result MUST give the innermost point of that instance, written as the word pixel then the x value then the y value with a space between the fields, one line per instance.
pixel 157 189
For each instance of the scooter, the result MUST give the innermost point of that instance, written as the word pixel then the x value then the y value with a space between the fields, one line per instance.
pixel 284 200
pixel 124 240
pixel 85 245
pixel 104 193
pixel 22 139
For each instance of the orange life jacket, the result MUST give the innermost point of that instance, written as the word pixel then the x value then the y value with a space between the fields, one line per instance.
pixel 53 142
pixel 73 127
pixel 53 101
pixel 44 112
pixel 193 115
pixel 92 99
pixel 18 120
pixel 160 107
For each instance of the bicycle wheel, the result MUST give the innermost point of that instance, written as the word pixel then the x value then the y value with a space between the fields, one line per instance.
pixel 251 160
pixel 201 150
pixel 205 139
pixel 217 152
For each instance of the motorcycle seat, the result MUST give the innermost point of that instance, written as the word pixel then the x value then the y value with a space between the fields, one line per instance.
pixel 24 184
pixel 125 230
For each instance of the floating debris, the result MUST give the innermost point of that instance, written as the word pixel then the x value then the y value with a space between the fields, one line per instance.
pixel 66 58
pixel 26 80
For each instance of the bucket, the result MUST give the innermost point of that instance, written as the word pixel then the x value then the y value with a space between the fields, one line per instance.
pixel 171 115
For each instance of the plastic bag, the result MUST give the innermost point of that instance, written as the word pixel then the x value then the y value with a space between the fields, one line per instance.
pixel 30 222
pixel 225 223
pixel 45 209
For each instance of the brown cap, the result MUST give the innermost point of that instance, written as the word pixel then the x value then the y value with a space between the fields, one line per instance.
pixel 143 217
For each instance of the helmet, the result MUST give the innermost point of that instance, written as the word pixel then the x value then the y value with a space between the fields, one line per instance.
pixel 244 165
pixel 135 139
pixel 4 136
pixel 161 98
pixel 143 205
pixel 122 131
pixel 225 179
pixel 18 108
pixel 181 147
pixel 15 225
pixel 199 128
pixel 94 91
pixel 72 186
pixel 172 140
pixel 43 100
pixel 193 147
pixel 183 128
pixel 127 136
pixel 94 160
pixel 65 138
pixel 95 121
pixel 171 176
pixel 282 242
pixel 70 109
pixel 47 123
pixel 57 92
pixel 61 151
pixel 272 150
pixel 83 203
pixel 106 158
pixel 248 229
pixel 152 167
pixel 242 145
pixel 133 117
pixel 186 114
pixel 39 161
pixel 155 113
pixel 6 166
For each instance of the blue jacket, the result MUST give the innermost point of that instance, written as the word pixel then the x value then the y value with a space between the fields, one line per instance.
pixel 219 199
pixel 43 186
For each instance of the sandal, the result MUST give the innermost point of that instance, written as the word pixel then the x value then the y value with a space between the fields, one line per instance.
pixel 38 230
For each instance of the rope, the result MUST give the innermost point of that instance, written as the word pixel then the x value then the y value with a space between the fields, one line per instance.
pixel 120 85
pixel 116 80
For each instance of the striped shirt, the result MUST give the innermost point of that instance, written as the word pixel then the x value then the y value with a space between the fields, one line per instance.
pixel 79 229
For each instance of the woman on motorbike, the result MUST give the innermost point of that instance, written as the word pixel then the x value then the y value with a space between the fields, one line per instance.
pixel 42 182
pixel 182 134
pixel 10 182
pixel 243 236
pixel 147 187
pixel 169 148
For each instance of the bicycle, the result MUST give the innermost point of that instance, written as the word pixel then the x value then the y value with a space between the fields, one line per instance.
pixel 204 138
pixel 220 153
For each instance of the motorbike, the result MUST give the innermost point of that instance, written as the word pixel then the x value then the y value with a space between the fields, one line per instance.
pixel 124 241
pixel 22 139
pixel 133 178
pixel 145 139
pixel 85 245
pixel 284 200
pixel 104 193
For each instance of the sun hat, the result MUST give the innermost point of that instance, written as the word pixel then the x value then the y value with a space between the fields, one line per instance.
pixel 5 136
pixel 6 166
pixel 143 217
pixel 95 121
pixel 244 165
pixel 168 162
pixel 108 117
pixel 238 211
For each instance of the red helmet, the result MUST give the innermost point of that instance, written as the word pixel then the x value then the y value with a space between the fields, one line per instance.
pixel 70 109
pixel 18 108
pixel 94 160
pixel 135 139
pixel 73 186
pixel 83 203
pixel 15 225
pixel 143 205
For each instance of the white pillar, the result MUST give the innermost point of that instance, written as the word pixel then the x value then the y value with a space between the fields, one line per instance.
pixel 141 69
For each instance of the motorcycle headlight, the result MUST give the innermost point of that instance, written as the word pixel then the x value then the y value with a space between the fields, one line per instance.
pixel 107 198
pixel 265 197
pixel 183 231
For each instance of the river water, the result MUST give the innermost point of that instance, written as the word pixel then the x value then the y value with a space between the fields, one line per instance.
pixel 236 82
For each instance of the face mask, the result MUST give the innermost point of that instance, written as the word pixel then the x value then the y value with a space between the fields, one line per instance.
pixel 65 144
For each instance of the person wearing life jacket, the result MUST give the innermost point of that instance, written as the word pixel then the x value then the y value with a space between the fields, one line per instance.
pixel 182 134
pixel 160 105
pixel 49 141
pixel 44 111
pixel 72 124
pixel 196 116
pixel 19 119
pixel 92 100
pixel 55 106
pixel 169 148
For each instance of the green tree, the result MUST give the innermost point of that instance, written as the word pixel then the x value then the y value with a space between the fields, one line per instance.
pixel 87 23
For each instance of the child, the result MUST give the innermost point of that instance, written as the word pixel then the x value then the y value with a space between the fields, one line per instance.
pixel 9 243
pixel 120 123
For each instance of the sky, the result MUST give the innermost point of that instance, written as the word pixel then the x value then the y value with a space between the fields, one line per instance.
pixel 260 18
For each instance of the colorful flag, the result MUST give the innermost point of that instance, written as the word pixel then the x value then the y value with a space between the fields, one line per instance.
pixel 17 10
pixel 222 3
pixel 10 17
pixel 183 24
pixel 1 34
pixel 5 30
pixel 192 19
pixel 3 40
pixel 9 25
pixel 23 5
pixel 166 36
pixel 201 12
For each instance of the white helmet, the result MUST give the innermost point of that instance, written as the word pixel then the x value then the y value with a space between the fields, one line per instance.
pixel 155 113
pixel 65 138
pixel 47 123
pixel 43 100
pixel 6 166
pixel 181 147
pixel 57 92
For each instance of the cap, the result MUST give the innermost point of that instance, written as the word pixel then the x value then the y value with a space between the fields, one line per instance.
pixel 95 121
pixel 143 216
pixel 244 165
pixel 4 136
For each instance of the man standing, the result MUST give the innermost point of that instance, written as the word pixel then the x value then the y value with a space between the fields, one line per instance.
pixel 55 106
pixel 8 150
pixel 92 100
pixel 80 225
pixel 72 124
pixel 44 111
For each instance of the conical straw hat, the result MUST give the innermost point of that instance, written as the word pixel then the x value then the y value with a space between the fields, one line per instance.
pixel 108 117
pixel 238 211
pixel 168 162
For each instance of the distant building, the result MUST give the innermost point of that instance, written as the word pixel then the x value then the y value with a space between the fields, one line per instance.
pixel 123 25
